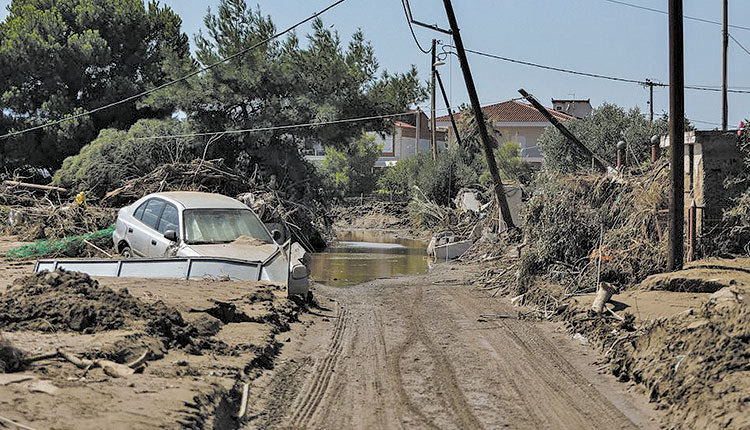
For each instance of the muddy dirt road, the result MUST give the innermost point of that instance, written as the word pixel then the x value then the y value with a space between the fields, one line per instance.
pixel 430 351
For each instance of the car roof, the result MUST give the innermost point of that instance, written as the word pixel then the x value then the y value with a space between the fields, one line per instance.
pixel 199 200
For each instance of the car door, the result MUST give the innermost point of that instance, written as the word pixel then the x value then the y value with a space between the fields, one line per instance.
pixel 144 232
pixel 169 220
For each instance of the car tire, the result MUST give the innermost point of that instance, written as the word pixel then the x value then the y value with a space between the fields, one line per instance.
pixel 126 252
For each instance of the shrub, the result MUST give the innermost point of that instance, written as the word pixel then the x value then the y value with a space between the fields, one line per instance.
pixel 351 172
pixel 401 178
pixel 441 179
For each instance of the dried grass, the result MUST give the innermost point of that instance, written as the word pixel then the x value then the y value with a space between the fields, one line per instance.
pixel 566 216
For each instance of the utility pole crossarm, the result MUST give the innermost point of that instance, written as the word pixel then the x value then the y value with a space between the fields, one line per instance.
pixel 598 163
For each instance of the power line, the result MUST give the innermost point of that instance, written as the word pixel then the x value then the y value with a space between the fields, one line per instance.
pixel 170 83
pixel 597 75
pixel 405 4
pixel 278 127
pixel 738 43
pixel 663 12
pixel 559 69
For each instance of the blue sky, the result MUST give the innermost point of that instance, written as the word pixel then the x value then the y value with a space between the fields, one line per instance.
pixel 595 36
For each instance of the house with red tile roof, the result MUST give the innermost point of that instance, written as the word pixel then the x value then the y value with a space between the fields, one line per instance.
pixel 517 122
pixel 401 141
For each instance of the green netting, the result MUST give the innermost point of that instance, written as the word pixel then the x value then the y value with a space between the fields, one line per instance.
pixel 71 246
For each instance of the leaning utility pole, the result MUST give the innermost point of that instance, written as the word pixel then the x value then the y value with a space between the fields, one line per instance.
pixel 448 106
pixel 676 136
pixel 725 47
pixel 471 89
pixel 596 161
pixel 433 139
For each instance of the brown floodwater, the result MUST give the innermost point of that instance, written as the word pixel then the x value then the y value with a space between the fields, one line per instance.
pixel 361 256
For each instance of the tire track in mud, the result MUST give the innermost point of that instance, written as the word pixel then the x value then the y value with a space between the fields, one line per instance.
pixel 445 374
pixel 548 375
pixel 310 398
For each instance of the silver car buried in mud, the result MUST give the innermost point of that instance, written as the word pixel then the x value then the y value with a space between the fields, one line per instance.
pixel 195 224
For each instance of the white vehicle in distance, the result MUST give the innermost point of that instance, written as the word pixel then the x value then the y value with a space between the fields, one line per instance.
pixel 195 224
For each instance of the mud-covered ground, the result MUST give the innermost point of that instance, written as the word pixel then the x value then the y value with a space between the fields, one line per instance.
pixel 435 351
pixel 203 340
pixel 685 342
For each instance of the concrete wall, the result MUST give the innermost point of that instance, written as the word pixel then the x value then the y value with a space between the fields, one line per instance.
pixel 711 157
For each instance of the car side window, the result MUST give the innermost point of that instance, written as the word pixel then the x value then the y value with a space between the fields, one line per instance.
pixel 169 219
pixel 153 211
pixel 138 214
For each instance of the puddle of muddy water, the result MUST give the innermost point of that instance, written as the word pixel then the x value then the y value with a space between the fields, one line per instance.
pixel 361 256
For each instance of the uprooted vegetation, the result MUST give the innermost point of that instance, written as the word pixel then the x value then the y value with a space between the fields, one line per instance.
pixel 296 206
pixel 580 229
pixel 72 227
pixel 34 214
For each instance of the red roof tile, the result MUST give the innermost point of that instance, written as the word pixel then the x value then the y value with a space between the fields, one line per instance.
pixel 513 111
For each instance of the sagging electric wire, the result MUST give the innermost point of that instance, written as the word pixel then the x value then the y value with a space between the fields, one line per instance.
pixel 275 128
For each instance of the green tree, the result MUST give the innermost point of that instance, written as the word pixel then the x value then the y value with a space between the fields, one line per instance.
pixel 600 132
pixel 285 81
pixel 62 57
pixel 116 156
pixel 351 172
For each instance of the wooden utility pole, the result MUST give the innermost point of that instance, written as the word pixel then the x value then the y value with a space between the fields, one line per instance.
pixel 676 137
pixel 650 99
pixel 418 131
pixel 724 49
pixel 596 161
pixel 477 108
pixel 433 138
pixel 448 106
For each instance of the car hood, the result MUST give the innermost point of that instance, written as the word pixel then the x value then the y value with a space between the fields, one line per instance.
pixel 231 250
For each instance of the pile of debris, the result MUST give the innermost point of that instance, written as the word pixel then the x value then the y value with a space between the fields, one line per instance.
pixel 303 217
pixel 584 230
pixel 34 212
pixel 372 215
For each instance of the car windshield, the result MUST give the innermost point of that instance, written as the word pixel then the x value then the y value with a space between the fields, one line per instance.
pixel 203 226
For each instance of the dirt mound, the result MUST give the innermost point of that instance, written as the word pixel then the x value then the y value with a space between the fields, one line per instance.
pixel 61 300
pixel 695 363
pixel 373 214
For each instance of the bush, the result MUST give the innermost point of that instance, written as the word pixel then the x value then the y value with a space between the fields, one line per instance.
pixel 441 179
pixel 511 165
pixel 401 178
pixel 351 172
pixel 116 156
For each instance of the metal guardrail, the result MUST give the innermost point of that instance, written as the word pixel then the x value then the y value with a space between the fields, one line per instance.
pixel 173 268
